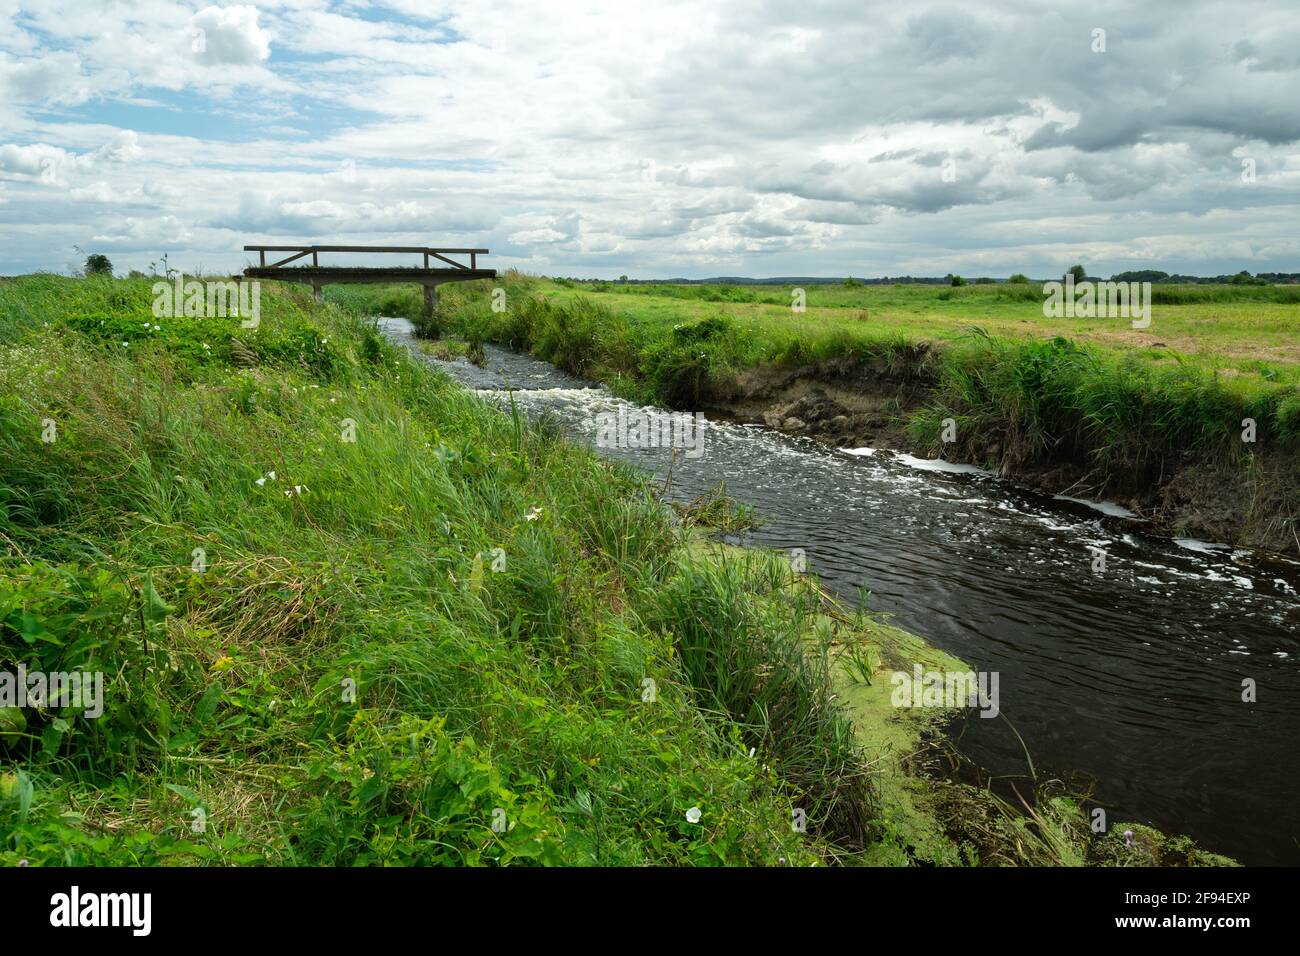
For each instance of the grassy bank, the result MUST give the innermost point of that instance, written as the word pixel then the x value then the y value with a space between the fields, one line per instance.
pixel 1156 417
pixel 349 614
pixel 316 642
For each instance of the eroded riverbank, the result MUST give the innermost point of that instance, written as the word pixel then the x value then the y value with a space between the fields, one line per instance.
pixel 851 404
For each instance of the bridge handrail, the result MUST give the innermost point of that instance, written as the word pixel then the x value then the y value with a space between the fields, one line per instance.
pixel 304 250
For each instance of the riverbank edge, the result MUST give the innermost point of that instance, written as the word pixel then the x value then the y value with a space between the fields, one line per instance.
pixel 1247 502
pixel 930 814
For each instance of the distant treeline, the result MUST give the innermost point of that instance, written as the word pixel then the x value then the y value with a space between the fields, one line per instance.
pixel 1141 275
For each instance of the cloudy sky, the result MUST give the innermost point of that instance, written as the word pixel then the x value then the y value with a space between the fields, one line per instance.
pixel 657 139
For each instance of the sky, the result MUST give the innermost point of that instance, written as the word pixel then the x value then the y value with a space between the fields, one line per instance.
pixel 659 139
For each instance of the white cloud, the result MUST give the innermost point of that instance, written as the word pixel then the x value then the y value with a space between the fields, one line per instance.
pixel 229 36
pixel 756 136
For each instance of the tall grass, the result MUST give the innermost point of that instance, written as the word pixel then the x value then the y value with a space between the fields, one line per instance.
pixel 360 652
pixel 1058 400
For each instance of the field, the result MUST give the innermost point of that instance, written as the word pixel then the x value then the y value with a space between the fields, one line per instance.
pixel 1248 331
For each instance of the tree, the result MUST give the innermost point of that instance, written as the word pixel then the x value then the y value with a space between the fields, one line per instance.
pixel 1079 274
pixel 622 278
pixel 955 279
pixel 1019 279
pixel 98 265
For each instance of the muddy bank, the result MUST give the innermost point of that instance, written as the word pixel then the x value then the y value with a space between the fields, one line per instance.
pixel 1253 501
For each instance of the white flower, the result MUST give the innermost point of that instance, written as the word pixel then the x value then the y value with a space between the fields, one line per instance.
pixel 693 815
pixel 533 515
pixel 271 475
pixel 260 482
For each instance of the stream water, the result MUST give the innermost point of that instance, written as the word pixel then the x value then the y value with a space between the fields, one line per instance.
pixel 1132 676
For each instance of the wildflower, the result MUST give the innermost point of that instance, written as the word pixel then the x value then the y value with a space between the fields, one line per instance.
pixel 693 815
pixel 533 515
pixel 1128 837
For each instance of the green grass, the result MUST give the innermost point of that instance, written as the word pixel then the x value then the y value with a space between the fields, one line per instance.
pixel 486 681
pixel 1242 334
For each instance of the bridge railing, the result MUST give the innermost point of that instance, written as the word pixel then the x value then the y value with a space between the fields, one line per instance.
pixel 298 252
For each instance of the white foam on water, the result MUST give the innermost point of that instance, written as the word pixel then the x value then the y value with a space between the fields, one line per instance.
pixel 1105 507
pixel 938 464
pixel 1205 547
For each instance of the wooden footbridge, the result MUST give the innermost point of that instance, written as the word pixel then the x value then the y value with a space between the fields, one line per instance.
pixel 319 276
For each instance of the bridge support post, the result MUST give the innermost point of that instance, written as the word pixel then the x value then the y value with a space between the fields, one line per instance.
pixel 316 290
pixel 430 298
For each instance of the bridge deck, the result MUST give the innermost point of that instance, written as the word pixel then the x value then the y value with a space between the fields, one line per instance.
pixel 330 274
pixel 317 275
